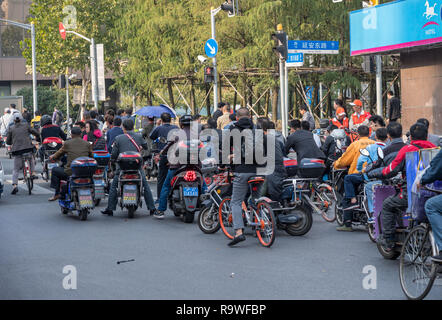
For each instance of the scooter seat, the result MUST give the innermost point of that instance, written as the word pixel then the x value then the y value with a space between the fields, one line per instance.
pixel 256 179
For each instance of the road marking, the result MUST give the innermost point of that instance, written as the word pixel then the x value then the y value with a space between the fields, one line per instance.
pixel 37 190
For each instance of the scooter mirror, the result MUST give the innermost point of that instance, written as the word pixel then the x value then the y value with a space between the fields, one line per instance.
pixel 364 152
pixel 381 153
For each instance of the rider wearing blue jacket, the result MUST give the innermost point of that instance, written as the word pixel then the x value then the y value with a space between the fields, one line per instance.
pixel 433 207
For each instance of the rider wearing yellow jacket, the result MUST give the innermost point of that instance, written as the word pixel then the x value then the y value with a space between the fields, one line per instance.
pixel 351 155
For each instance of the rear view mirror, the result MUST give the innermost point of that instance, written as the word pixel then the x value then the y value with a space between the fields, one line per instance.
pixel 381 153
pixel 364 152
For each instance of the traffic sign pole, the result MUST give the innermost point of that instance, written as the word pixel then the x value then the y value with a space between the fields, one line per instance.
pixel 213 13
pixel 30 27
pixel 379 85
pixel 94 71
pixel 34 69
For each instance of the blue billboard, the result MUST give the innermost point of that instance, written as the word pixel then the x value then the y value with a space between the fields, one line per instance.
pixel 395 25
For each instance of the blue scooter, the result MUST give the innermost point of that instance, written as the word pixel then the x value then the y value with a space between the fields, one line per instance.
pixel 79 190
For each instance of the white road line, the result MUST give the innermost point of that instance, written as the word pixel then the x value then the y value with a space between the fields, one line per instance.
pixel 37 190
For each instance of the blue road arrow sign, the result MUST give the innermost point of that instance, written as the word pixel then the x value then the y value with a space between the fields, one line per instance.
pixel 313 47
pixel 211 48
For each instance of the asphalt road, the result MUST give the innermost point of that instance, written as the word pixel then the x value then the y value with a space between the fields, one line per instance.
pixel 173 260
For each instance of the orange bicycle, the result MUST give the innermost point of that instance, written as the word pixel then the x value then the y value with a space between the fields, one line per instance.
pixel 257 214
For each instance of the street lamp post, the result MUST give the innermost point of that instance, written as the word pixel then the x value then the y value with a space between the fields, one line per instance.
pixel 94 71
pixel 30 27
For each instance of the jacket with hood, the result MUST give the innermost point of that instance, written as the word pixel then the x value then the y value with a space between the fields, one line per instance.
pixel 19 139
pixel 98 142
pixel 240 165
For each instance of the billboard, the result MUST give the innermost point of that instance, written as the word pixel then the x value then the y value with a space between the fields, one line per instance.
pixel 395 25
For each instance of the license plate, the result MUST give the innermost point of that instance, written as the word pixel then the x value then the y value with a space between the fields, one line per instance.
pixel 84 198
pixel 99 182
pixel 190 191
pixel 52 166
pixel 130 187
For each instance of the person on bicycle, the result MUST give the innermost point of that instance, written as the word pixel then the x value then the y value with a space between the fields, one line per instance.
pixel 351 155
pixel 21 142
pixel 352 181
pixel 242 170
pixel 394 144
pixel 433 207
pixel 395 205
pixel 129 141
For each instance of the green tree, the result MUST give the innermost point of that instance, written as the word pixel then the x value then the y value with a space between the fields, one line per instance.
pixel 48 99
pixel 93 19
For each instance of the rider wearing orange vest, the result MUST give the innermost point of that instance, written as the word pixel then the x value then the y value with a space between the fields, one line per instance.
pixel 341 121
pixel 359 117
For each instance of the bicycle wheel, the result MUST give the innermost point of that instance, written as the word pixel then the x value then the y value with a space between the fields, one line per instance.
pixel 27 176
pixel 226 218
pixel 266 230
pixel 328 198
pixel 416 270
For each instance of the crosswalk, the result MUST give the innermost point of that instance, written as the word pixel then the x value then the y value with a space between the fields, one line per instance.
pixel 37 189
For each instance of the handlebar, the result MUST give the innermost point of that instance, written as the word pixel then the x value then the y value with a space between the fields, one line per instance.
pixel 432 190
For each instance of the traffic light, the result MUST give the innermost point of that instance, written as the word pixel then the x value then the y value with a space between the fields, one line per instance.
pixel 62 81
pixel 230 7
pixel 281 43
pixel 209 75
pixel 368 64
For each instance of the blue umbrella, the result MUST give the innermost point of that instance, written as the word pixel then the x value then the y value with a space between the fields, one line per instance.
pixel 155 111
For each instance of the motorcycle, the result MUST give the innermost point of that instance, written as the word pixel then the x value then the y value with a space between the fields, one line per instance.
pixel 50 146
pixel 101 179
pixel 220 186
pixel 186 185
pixel 130 187
pixel 150 166
pixel 79 189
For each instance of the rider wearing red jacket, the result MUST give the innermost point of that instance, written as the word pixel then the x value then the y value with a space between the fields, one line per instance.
pixel 395 205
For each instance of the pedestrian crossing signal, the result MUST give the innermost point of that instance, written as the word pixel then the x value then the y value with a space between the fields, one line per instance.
pixel 209 75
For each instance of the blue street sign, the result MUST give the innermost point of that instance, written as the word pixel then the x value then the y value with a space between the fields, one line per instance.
pixel 295 60
pixel 313 46
pixel 211 48
pixel 295 57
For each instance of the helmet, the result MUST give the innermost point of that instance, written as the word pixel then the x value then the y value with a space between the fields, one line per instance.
pixel 45 120
pixel 186 120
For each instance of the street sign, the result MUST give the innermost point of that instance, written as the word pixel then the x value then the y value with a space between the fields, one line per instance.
pixel 211 48
pixel 100 68
pixel 313 47
pixel 62 30
pixel 295 60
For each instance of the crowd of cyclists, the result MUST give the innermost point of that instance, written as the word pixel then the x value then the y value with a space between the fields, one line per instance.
pixel 338 142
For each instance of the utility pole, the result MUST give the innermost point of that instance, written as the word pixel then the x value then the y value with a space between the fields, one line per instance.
pixel 281 50
pixel 229 6
pixel 379 107
pixel 94 67
pixel 30 27
pixel 213 13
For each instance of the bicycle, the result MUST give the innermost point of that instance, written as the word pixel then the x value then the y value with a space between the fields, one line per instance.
pixel 415 261
pixel 27 173
pixel 256 214
pixel 323 200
